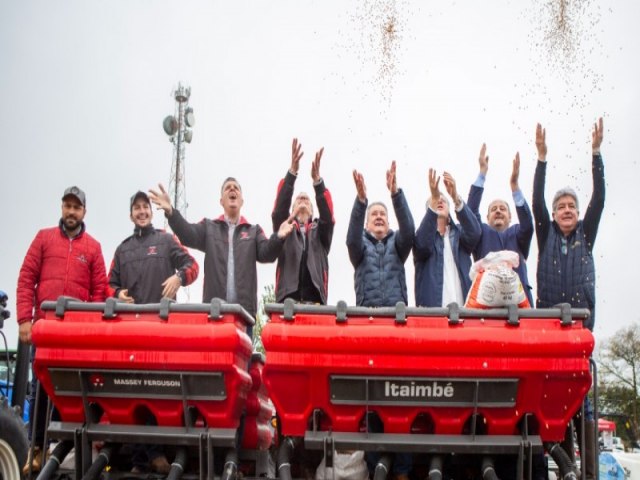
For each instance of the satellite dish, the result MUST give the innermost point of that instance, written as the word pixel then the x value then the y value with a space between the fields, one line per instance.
pixel 170 125
pixel 189 118
pixel 188 136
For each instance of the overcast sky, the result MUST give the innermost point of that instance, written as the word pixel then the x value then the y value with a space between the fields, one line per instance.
pixel 86 85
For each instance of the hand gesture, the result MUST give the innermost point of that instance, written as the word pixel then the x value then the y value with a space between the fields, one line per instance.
pixel 392 183
pixel 161 199
pixel 315 166
pixel 170 286
pixel 596 135
pixel 450 185
pixel 483 160
pixel 287 226
pixel 296 155
pixel 361 188
pixel 124 296
pixel 541 142
pixel 515 173
pixel 434 186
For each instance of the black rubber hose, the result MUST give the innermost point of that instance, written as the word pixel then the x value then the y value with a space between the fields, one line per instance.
pixel 56 458
pixel 230 470
pixel 104 457
pixel 382 467
pixel 488 470
pixel 284 457
pixel 178 465
pixel 435 468
pixel 567 471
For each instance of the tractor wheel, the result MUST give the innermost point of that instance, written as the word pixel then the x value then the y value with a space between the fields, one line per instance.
pixel 13 442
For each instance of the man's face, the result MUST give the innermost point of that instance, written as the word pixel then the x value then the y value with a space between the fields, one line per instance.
pixel 231 199
pixel 141 213
pixel 499 216
pixel 72 212
pixel 303 206
pixel 377 221
pixel 566 214
pixel 442 207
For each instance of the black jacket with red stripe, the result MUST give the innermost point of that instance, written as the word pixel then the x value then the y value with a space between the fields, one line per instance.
pixel 144 260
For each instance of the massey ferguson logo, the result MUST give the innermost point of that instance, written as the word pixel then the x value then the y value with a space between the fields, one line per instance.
pixel 418 391
pixel 152 250
pixel 244 235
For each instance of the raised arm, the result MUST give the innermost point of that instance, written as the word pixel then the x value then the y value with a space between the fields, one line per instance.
pixel 596 204
pixel 356 222
pixel 426 233
pixel 324 203
pixel 540 212
pixel 406 226
pixel 524 232
pixel 477 188
pixel 285 187
pixel 470 230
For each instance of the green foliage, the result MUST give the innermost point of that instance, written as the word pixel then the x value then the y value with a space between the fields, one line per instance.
pixel 619 369
pixel 268 296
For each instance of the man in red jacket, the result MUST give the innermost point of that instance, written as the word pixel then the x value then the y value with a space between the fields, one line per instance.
pixel 62 260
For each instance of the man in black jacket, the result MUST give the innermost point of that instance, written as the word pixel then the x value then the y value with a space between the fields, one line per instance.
pixel 147 266
pixel 150 264
pixel 231 246
pixel 303 266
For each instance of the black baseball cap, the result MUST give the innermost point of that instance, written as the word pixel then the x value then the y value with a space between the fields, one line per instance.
pixel 76 192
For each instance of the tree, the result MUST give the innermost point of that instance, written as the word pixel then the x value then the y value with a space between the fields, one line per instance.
pixel 619 370
pixel 268 296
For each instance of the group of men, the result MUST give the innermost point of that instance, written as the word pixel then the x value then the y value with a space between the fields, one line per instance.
pixel 152 264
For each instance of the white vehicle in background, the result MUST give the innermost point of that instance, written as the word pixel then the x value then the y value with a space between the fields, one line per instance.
pixel 617 445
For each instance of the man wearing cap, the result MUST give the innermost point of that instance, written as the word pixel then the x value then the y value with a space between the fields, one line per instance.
pixel 150 264
pixel 147 266
pixel 231 246
pixel 566 270
pixel 63 260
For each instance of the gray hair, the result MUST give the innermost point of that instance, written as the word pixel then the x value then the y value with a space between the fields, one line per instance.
pixel 227 180
pixel 371 205
pixel 565 192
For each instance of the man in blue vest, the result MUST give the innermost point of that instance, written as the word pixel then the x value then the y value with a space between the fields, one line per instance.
pixel 566 270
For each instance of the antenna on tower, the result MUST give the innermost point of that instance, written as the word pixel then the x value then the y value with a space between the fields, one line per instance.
pixel 177 126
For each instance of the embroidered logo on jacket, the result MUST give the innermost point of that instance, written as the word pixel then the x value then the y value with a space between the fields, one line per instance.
pixel 82 258
pixel 244 235
pixel 152 250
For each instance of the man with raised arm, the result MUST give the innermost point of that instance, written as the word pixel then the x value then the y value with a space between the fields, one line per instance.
pixel 378 254
pixel 442 249
pixel 566 270
pixel 498 233
pixel 231 246
pixel 302 273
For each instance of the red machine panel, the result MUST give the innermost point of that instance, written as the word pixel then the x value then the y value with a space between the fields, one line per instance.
pixel 133 360
pixel 424 373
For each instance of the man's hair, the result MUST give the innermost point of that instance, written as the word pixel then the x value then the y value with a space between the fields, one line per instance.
pixel 371 205
pixel 564 192
pixel 496 201
pixel 227 180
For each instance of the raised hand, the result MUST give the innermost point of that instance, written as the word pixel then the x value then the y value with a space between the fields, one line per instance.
pixel 161 199
pixel 450 185
pixel 434 185
pixel 515 173
pixel 315 166
pixel 597 135
pixel 483 160
pixel 392 183
pixel 361 188
pixel 296 155
pixel 286 227
pixel 541 143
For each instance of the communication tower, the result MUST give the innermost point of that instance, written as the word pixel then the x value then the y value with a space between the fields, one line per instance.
pixel 177 126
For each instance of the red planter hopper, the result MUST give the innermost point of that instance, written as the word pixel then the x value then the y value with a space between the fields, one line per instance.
pixel 131 359
pixel 427 370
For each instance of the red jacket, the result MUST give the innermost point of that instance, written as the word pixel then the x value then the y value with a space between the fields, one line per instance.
pixel 57 265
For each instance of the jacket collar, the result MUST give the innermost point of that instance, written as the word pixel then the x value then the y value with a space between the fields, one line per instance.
pixel 143 231
pixel 63 231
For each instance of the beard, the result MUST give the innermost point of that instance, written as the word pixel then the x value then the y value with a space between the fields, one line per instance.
pixel 71 223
